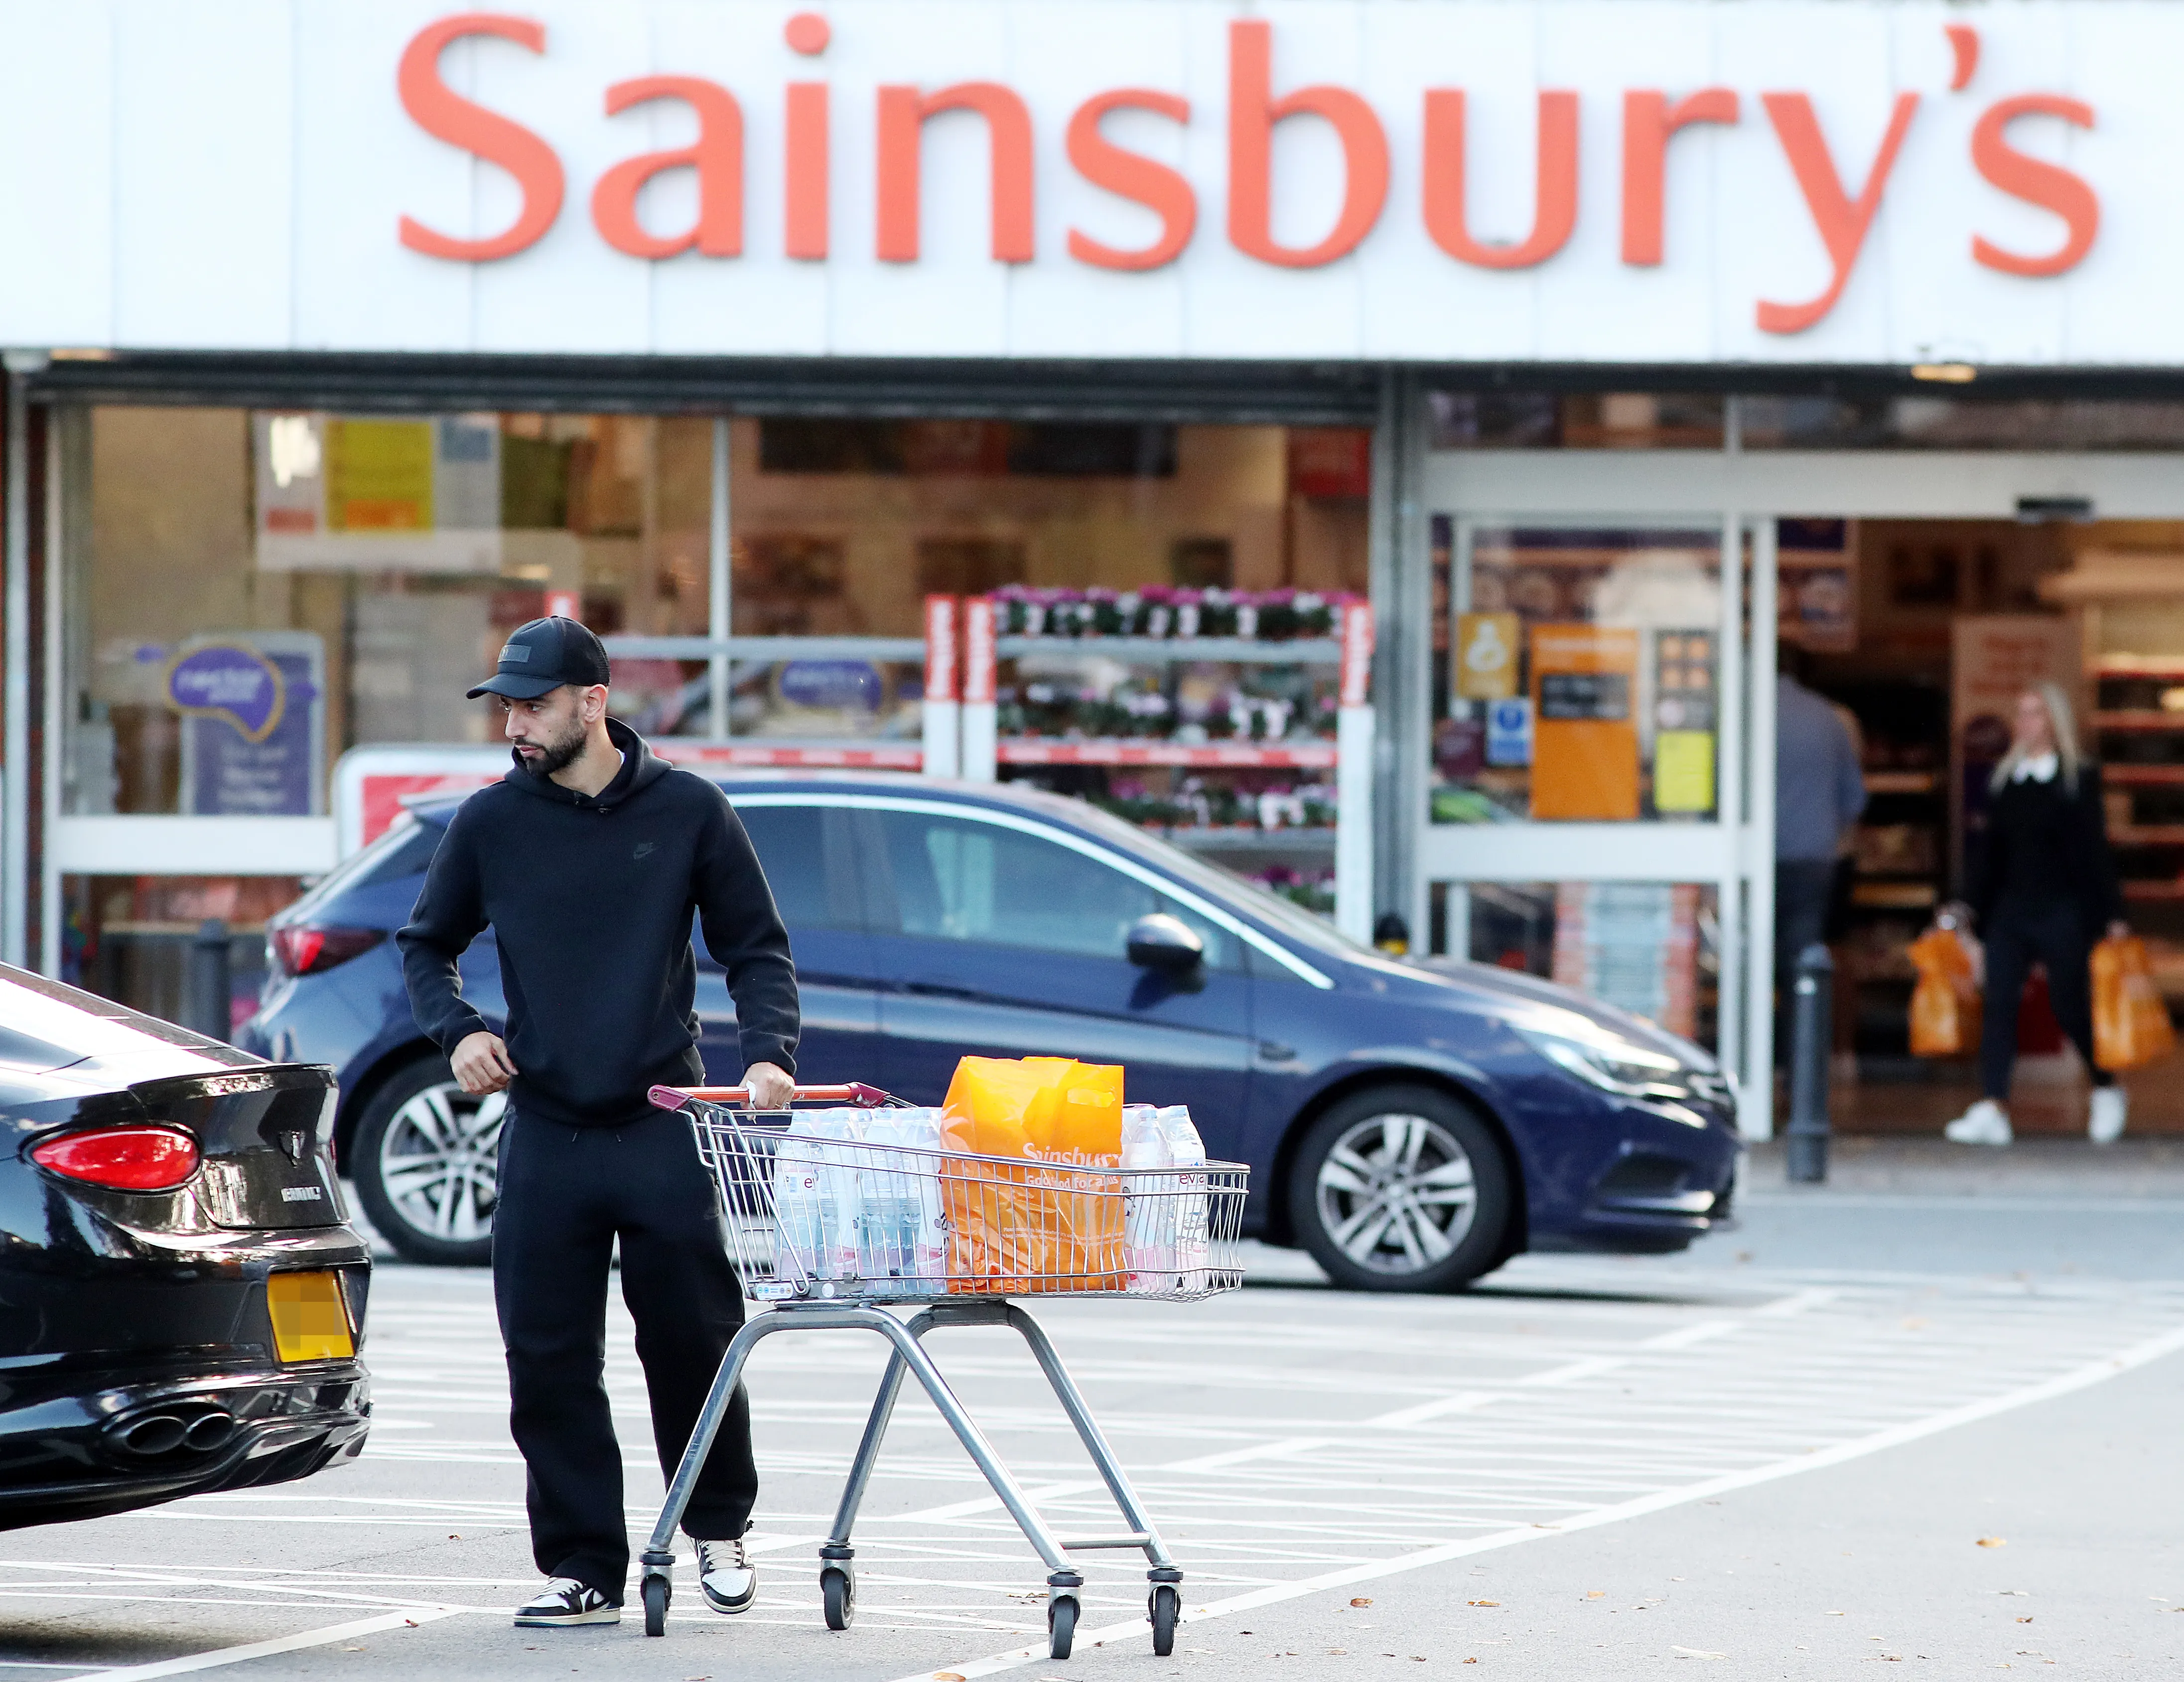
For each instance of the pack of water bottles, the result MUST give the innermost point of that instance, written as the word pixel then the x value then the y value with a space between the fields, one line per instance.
pixel 889 1204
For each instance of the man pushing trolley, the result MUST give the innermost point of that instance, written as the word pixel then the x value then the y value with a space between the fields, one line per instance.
pixel 587 860
pixel 1033 1180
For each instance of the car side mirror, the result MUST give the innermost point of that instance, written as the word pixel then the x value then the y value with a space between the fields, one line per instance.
pixel 1168 944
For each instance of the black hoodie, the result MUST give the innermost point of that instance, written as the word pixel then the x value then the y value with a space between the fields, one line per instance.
pixel 590 901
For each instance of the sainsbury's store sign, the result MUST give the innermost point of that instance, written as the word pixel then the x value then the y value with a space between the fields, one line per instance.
pixel 1841 202
pixel 1657 180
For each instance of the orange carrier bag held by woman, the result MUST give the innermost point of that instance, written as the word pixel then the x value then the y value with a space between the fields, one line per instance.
pixel 2130 1019
pixel 1944 1006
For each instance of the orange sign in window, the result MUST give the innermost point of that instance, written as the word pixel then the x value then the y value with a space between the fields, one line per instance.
pixel 1584 740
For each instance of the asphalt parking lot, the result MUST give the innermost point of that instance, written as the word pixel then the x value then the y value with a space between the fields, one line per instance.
pixel 1645 1460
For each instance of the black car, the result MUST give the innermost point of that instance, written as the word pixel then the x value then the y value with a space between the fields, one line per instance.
pixel 180 1300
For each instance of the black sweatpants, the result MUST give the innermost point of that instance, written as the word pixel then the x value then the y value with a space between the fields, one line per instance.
pixel 566 1194
pixel 2016 938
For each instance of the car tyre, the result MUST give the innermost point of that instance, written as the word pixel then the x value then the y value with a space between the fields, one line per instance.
pixel 425 1161
pixel 1401 1187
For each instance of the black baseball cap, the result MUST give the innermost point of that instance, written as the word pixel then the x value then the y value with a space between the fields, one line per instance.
pixel 543 656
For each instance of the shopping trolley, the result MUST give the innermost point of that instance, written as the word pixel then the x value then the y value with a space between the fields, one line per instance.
pixel 826 1229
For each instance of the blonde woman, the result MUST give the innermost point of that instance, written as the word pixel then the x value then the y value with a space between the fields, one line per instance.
pixel 2044 889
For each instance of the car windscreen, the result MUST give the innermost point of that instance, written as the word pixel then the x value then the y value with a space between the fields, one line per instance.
pixel 1284 916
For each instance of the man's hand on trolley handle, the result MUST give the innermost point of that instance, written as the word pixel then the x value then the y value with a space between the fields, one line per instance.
pixel 770 1089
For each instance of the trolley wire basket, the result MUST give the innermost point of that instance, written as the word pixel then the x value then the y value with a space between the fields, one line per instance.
pixel 832 1215
pixel 829 1205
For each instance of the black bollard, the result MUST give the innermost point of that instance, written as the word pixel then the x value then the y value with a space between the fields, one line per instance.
pixel 1811 1051
pixel 205 992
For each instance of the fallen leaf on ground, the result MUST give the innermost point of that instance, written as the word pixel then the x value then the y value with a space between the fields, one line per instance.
pixel 1695 1652
pixel 1471 1661
pixel 1482 1602
pixel 1992 1542
pixel 1596 1594
pixel 2024 1620
pixel 949 1676
pixel 1362 1600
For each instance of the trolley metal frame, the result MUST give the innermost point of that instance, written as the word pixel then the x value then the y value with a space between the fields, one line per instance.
pixel 860 1310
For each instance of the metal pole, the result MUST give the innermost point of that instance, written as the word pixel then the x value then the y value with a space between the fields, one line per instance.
pixel 720 583
pixel 1757 1116
pixel 206 994
pixel 1811 1051
pixel 55 713
pixel 15 693
pixel 1737 859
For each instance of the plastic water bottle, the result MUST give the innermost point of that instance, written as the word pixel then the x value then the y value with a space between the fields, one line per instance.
pixel 1148 1209
pixel 816 1197
pixel 902 1237
pixel 1186 1153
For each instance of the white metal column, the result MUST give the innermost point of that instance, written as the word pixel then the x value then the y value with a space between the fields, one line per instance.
pixel 1757 1114
pixel 15 754
pixel 55 713
pixel 720 585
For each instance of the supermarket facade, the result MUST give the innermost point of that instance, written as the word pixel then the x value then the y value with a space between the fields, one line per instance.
pixel 1025 387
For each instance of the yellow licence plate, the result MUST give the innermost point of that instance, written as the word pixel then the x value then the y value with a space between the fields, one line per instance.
pixel 309 1320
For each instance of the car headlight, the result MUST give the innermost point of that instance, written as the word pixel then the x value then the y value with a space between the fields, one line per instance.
pixel 1629 1071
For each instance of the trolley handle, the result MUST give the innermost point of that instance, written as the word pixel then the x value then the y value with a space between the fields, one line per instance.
pixel 853 1092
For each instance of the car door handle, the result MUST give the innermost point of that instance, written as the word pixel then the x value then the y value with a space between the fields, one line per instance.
pixel 934 989
pixel 1274 1051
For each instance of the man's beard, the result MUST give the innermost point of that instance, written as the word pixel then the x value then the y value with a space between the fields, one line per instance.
pixel 559 755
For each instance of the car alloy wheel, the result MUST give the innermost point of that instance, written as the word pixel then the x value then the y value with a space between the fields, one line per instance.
pixel 1396 1194
pixel 425 1162
pixel 1401 1189
pixel 439 1162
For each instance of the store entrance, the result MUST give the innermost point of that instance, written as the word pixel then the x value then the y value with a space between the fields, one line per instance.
pixel 1920 591
pixel 1948 622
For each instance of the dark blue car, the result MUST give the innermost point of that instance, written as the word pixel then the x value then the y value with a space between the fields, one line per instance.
pixel 1411 1125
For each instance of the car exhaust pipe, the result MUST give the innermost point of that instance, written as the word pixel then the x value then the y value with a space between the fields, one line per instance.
pixel 154 1433
pixel 209 1432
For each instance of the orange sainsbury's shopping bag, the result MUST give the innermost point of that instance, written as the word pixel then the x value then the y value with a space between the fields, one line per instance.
pixel 2131 1018
pixel 1055 1223
pixel 1944 1006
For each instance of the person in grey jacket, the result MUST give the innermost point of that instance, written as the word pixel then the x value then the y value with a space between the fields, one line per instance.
pixel 1820 793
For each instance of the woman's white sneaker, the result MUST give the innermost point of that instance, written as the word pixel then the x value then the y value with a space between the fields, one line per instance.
pixel 1984 1123
pixel 564 1601
pixel 2104 1122
pixel 726 1576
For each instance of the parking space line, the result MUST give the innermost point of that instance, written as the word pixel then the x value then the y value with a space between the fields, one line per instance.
pixel 279 1644
pixel 2083 1376
pixel 1462 1402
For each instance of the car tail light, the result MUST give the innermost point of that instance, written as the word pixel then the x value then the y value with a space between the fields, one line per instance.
pixel 308 949
pixel 125 1158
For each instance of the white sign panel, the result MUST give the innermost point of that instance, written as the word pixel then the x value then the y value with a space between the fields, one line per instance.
pixel 1654 180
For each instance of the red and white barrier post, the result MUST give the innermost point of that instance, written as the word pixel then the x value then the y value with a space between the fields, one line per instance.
pixel 979 747
pixel 942 711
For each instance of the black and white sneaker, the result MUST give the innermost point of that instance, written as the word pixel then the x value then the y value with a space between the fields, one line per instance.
pixel 567 1602
pixel 726 1576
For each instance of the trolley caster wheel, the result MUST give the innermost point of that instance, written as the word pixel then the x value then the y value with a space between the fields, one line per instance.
pixel 1061 1624
pixel 657 1590
pixel 1164 1607
pixel 839 1590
